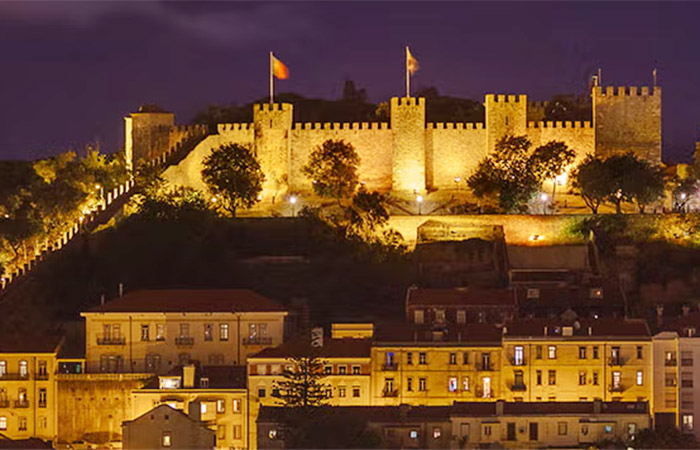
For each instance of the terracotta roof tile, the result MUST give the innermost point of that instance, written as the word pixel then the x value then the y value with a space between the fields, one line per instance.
pixel 332 348
pixel 603 327
pixel 471 296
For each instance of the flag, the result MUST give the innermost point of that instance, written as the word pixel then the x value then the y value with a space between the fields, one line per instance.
pixel 411 62
pixel 279 69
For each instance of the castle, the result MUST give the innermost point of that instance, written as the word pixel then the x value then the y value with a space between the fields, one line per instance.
pixel 406 154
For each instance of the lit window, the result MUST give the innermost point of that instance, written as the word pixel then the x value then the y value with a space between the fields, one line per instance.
pixel 465 383
pixel 236 405
pixel 204 382
pixel 223 332
pixel 414 434
pixel 452 384
pixel 208 332
pixel 341 391
pixel 688 422
pixel 461 317
pixel 552 380
pixel 437 432
pixel 23 369
pixel 3 368
pixel 422 358
pixel 422 384
pixel 145 329
pixel 167 439
pixel 203 408
pixel 272 434
pixel 582 377
pixel 356 370
pixel 631 428
pixel 518 356
pixel 608 429
pixel 453 358
pixel 640 378
pixel 160 332
pixel 562 426
pixel 220 406
pixel 3 423
pixel 552 352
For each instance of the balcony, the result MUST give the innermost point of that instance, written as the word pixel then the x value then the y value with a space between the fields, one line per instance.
pixel 4 403
pixel 671 362
pixel 517 361
pixel 391 367
pixel 615 361
pixel 14 376
pixel 111 340
pixel 518 387
pixel 184 340
pixel 390 392
pixel 258 340
pixel 687 362
pixel 21 403
pixel 616 388
pixel 484 367
pixel 41 376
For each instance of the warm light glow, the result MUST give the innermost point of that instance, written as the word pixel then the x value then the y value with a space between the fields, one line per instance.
pixel 97 186
pixel 561 179
pixel 213 199
pixel 544 197
pixel 293 199
pixel 81 218
pixel 536 237
pixel 683 196
pixel 419 198
pixel 457 179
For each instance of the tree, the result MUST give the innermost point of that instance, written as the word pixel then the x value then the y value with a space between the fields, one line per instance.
pixel 507 174
pixel 367 212
pixel 592 182
pixel 332 168
pixel 233 173
pixel 550 160
pixel 303 385
pixel 647 184
pixel 666 437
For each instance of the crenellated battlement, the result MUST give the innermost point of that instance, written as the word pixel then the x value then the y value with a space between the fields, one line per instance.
pixel 455 126
pixel 506 98
pixel 560 124
pixel 199 128
pixel 336 126
pixel 407 101
pixel 538 104
pixel 228 127
pixel 273 106
pixel 622 91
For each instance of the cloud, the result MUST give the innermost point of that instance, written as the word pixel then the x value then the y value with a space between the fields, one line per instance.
pixel 229 24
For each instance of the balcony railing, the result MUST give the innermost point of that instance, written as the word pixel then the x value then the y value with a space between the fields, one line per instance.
pixel 616 388
pixel 687 362
pixel 615 361
pixel 484 367
pixel 258 340
pixel 14 376
pixel 670 362
pixel 41 376
pixel 4 403
pixel 21 403
pixel 390 392
pixel 111 340
pixel 518 387
pixel 390 366
pixel 687 383
pixel 517 361
pixel 184 340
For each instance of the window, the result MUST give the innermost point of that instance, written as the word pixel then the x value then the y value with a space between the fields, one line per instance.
pixel 485 361
pixel 166 439
pixel 518 379
pixel 261 392
pixel 208 332
pixel 465 358
pixel 616 380
pixel 342 370
pixel 272 434
pixel 582 353
pixel 670 380
pixel 686 358
pixel 409 384
pixel 22 425
pixel 562 428
pixel 3 423
pixel 584 430
pixel 518 356
pixel 465 383
pixel 538 352
pixel 640 353
pixel 608 429
pixel 640 378
pixel 23 369
pixel 538 377
pixel 631 428
pixel 452 384
pixel 422 357
pixel 356 391
pixel 160 332
pixel 440 315
pixel 487 430
pixel 422 384
pixel 257 331
pixel 341 391
pixel 686 380
pixel 42 368
pixel 595 353
pixel 418 316
pixel 42 397
pixel 437 432
pixel 152 362
pixel 552 352
pixel 221 406
pixel 223 332
pixel 453 358
pixel 184 330
pixel 144 332
pixel 552 379
pixel 217 359
pixel 486 387
pixel 236 405
pixel 461 316
pixel 595 378
pixel 409 358
pixel 221 432
pixel 22 395
pixel 615 355
pixel 510 431
pixel 327 370
pixel 3 368
pixel 582 377
pixel 687 421
pixel 184 358
pixel 413 434
pixel 356 370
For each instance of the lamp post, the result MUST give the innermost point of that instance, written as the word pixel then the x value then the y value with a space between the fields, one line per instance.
pixel 419 200
pixel 544 198
pixel 100 195
pixel 457 180
pixel 293 201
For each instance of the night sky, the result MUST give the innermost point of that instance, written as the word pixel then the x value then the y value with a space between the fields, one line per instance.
pixel 71 71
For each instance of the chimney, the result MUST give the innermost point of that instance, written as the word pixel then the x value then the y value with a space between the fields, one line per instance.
pixel 102 299
pixel 194 410
pixel 545 331
pixel 499 407
pixel 188 376
pixel 686 310
pixel 317 337
pixel 121 289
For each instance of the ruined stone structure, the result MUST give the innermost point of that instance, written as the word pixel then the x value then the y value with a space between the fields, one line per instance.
pixel 407 154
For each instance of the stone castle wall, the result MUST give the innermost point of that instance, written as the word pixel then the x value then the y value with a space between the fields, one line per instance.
pixel 408 154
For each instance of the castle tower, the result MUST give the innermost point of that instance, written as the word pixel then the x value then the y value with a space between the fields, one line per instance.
pixel 408 137
pixel 627 119
pixel 273 125
pixel 505 115
pixel 146 134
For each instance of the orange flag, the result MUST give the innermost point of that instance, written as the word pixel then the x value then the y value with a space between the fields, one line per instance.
pixel 411 62
pixel 279 69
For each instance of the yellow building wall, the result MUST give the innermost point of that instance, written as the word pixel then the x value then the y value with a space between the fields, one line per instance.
pixel 453 150
pixel 37 419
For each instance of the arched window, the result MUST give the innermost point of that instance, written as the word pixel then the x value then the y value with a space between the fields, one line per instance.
pixel 23 369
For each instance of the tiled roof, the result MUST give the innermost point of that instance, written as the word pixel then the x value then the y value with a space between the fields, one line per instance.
pixel 603 327
pixel 393 414
pixel 332 348
pixel 678 324
pixel 31 343
pixel 190 300
pixel 471 296
pixel 608 293
pixel 533 408
pixel 471 333
pixel 220 377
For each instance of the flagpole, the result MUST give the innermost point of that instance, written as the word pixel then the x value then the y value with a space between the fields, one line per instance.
pixel 272 81
pixel 408 76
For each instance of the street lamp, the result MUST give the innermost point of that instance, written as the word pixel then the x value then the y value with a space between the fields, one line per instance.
pixel 100 195
pixel 293 201
pixel 419 200
pixel 544 198
pixel 457 180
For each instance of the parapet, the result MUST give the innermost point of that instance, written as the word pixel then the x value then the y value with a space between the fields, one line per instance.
pixel 273 107
pixel 198 128
pixel 407 101
pixel 558 124
pixel 626 91
pixel 228 127
pixel 502 98
pixel 538 104
pixel 455 126
pixel 336 126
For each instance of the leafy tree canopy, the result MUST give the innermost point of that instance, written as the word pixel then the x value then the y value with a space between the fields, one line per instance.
pixel 332 168
pixel 302 385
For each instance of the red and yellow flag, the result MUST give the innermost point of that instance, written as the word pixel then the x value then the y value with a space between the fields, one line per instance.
pixel 411 62
pixel 279 70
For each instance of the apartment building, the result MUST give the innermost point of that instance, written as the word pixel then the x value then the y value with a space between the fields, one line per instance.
pixel 459 306
pixel 551 360
pixel 219 391
pixel 28 386
pixel 154 331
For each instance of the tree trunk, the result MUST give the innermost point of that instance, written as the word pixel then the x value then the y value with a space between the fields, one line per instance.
pixel 618 207
pixel 554 191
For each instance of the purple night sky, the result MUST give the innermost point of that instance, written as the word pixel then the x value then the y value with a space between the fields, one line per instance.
pixel 71 71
